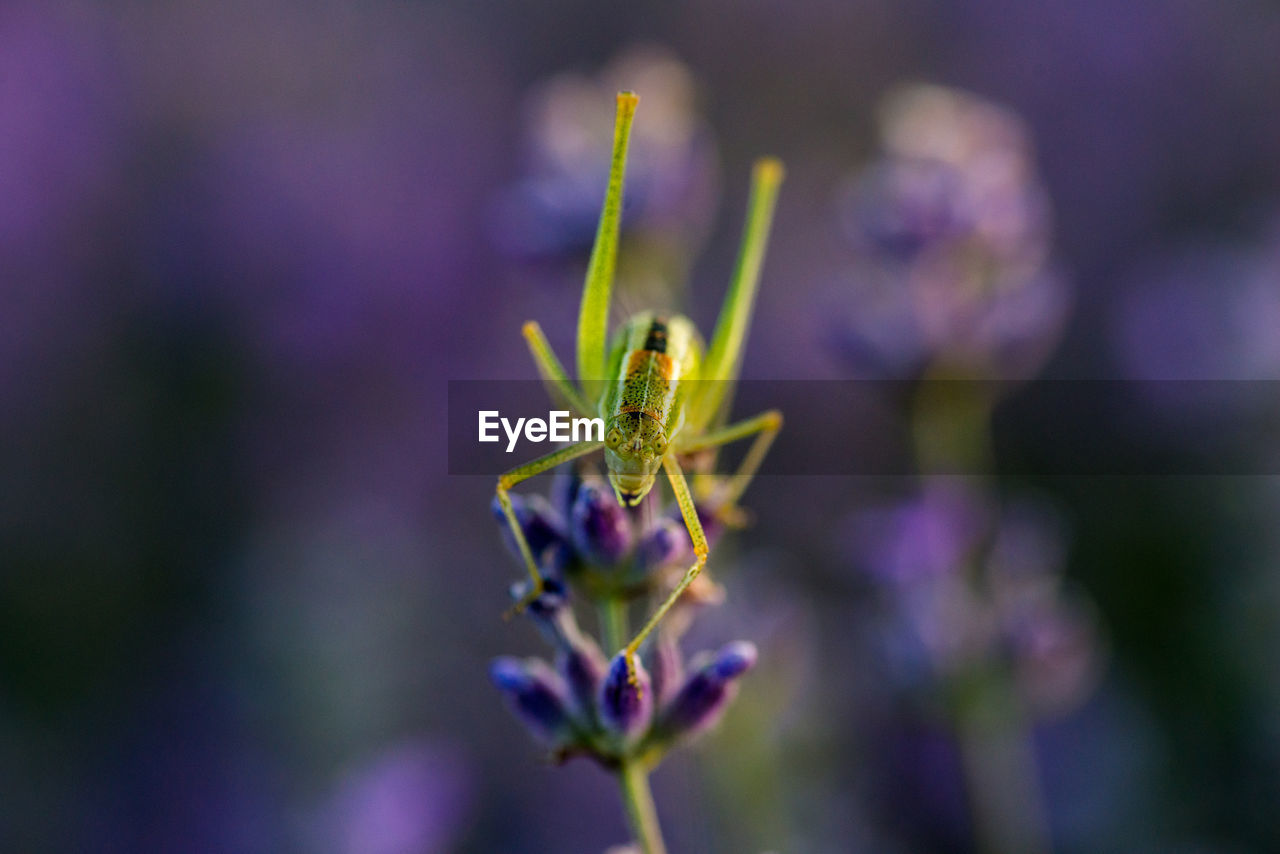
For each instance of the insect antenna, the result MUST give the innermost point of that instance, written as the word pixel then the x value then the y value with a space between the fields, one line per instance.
pixel 625 304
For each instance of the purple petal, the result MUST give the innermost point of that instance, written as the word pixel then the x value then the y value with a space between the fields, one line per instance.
pixel 626 708
pixel 536 695
pixel 582 666
pixel 667 666
pixel 599 526
pixel 665 543
pixel 707 693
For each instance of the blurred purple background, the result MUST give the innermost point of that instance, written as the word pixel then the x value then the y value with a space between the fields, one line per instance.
pixel 244 246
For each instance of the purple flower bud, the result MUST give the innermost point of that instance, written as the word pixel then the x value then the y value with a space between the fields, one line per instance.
pixel 671 180
pixel 951 229
pixel 549 611
pixel 667 666
pixel 553 601
pixel 582 666
pixel 565 484
pixel 626 708
pixel 921 539
pixel 707 693
pixel 733 660
pixel 901 208
pixel 579 661
pixel 599 526
pixel 537 696
pixel 665 543
pixel 543 528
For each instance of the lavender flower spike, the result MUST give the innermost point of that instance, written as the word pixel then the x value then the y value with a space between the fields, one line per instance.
pixel 626 706
pixel 578 659
pixel 706 694
pixel 536 694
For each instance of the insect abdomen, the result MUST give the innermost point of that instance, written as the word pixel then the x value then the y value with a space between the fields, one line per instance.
pixel 656 338
pixel 657 354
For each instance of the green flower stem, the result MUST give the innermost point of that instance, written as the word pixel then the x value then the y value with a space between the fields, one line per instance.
pixel 1000 772
pixel 951 425
pixel 951 428
pixel 613 624
pixel 633 771
pixel 638 799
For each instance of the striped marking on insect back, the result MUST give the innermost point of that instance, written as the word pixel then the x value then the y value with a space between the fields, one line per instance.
pixel 653 356
pixel 656 339
pixel 649 374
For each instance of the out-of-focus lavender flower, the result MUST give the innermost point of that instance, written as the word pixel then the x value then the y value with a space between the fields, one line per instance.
pixel 286 204
pixel 919 540
pixel 1056 651
pixel 62 109
pixel 977 626
pixel 995 195
pixel 412 800
pixel 671 174
pixel 951 233
pixel 64 153
pixel 538 697
pixel 626 703
pixel 972 584
pixel 706 693
pixel 1202 313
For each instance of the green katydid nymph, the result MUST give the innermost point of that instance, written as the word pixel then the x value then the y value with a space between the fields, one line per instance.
pixel 661 395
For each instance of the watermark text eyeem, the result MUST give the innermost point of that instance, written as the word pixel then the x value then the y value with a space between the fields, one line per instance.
pixel 557 427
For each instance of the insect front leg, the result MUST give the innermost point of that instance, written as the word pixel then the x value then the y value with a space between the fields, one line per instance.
pixel 700 550
pixel 521 473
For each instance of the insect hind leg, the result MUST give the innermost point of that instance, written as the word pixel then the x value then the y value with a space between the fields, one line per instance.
pixel 765 428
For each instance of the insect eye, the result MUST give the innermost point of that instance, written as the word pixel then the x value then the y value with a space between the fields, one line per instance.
pixel 614 439
pixel 660 445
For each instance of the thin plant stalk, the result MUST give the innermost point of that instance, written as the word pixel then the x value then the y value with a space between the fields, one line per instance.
pixel 951 426
pixel 1000 769
pixel 638 800
pixel 613 623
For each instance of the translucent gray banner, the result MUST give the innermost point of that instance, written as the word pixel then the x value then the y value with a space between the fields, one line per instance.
pixel 879 428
